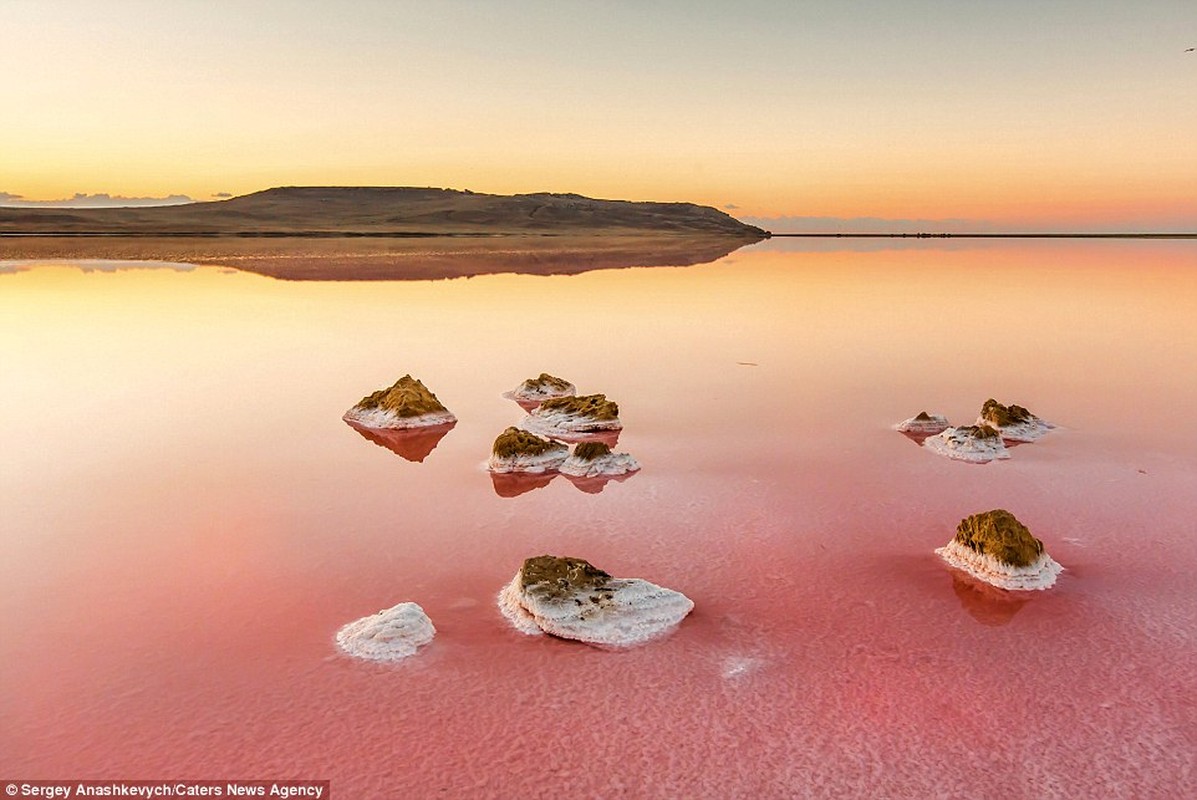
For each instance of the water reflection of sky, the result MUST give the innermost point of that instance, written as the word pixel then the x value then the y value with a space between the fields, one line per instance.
pixel 187 521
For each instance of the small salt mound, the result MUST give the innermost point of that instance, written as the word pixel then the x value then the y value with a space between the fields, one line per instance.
pixel 405 404
pixel 545 387
pixel 923 423
pixel 1027 431
pixel 595 459
pixel 585 414
pixel 978 444
pixel 1015 423
pixel 1039 574
pixel 995 547
pixel 390 635
pixel 571 599
pixel 520 451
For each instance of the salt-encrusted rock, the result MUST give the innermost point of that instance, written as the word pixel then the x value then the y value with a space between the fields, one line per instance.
pixel 595 459
pixel 389 635
pixel 976 443
pixel 1014 422
pixel 572 599
pixel 520 451
pixel 546 387
pixel 406 404
pixel 923 423
pixel 996 548
pixel 569 415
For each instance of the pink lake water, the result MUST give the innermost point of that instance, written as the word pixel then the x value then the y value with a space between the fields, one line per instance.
pixel 186 522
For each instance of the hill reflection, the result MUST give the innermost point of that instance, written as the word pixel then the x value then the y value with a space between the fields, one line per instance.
pixel 388 258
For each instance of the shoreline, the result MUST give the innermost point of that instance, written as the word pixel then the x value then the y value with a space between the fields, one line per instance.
pixel 362 234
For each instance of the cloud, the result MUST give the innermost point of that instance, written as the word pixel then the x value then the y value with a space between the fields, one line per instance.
pixel 731 206
pixel 101 200
pixel 222 194
pixel 869 225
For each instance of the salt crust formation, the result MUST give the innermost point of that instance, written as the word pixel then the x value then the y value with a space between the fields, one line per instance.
pixel 520 451
pixel 996 548
pixel 545 387
pixel 405 404
pixel 585 414
pixel 923 423
pixel 976 443
pixel 572 599
pixel 390 635
pixel 1014 422
pixel 595 459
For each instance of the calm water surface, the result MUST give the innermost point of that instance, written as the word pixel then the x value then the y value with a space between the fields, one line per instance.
pixel 187 521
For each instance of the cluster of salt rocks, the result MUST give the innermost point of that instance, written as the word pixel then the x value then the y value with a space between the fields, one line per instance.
pixel 981 442
pixel 565 597
pixel 993 547
pixel 560 416
pixel 571 599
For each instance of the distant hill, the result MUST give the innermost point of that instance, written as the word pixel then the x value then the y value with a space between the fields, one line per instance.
pixel 381 211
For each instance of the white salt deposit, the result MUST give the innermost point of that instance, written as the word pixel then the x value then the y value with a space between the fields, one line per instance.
pixel 552 423
pixel 960 444
pixel 935 424
pixel 1027 431
pixel 622 612
pixel 608 464
pixel 384 418
pixel 525 462
pixel 390 635
pixel 532 392
pixel 511 607
pixel 1039 575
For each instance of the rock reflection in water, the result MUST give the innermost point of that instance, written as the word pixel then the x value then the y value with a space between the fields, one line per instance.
pixel 598 483
pixel 917 437
pixel 987 604
pixel 414 444
pixel 513 484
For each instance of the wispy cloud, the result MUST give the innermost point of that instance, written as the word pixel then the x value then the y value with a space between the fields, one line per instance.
pixel 102 200
pixel 869 225
pixel 731 206
pixel 222 195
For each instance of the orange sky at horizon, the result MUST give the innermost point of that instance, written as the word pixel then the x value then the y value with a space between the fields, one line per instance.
pixel 1076 114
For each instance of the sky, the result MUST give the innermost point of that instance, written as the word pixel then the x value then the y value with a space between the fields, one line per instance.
pixel 1068 115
